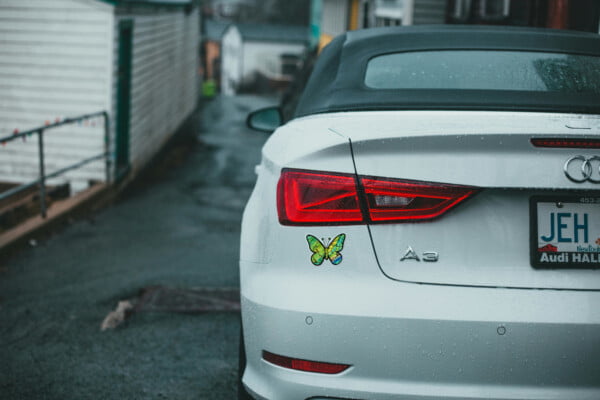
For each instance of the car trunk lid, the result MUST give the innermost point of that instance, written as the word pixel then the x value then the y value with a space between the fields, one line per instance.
pixel 487 240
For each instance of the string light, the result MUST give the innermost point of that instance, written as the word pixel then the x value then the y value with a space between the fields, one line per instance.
pixel 89 121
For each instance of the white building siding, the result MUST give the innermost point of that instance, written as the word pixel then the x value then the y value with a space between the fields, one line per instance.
pixel 54 63
pixel 164 84
pixel 265 57
pixel 334 20
pixel 429 12
pixel 231 60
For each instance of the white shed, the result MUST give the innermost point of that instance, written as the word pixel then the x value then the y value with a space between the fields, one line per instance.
pixel 251 49
pixel 136 59
pixel 231 60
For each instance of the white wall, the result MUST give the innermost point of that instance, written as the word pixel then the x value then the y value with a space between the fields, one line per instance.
pixel 59 59
pixel 231 60
pixel 334 20
pixel 165 85
pixel 265 57
pixel 429 12
pixel 54 62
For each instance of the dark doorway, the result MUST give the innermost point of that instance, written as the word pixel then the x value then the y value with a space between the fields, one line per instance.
pixel 123 98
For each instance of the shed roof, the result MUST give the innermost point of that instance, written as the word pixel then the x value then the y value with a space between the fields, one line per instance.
pixel 274 33
pixel 214 29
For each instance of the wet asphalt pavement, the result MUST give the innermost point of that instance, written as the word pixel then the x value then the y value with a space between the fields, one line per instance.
pixel 178 229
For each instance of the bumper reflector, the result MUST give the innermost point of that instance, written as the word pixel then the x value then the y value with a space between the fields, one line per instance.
pixel 304 365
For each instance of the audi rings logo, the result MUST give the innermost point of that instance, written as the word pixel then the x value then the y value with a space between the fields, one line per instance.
pixel 581 169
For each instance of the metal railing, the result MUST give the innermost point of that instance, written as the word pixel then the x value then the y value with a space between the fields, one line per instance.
pixel 41 181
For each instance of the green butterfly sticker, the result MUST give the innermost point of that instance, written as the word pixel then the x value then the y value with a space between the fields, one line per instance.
pixel 322 252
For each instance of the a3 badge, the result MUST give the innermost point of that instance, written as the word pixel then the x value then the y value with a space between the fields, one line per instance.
pixel 427 256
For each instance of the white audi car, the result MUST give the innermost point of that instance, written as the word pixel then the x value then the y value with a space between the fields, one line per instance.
pixel 427 226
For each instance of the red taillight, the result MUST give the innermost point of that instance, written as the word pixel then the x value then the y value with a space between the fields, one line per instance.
pixel 304 365
pixel 305 197
pixel 397 200
pixel 322 198
pixel 567 143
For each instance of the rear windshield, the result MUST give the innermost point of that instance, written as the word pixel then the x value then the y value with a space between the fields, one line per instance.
pixel 485 69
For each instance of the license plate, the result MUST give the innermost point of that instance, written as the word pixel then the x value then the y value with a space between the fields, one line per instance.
pixel 565 232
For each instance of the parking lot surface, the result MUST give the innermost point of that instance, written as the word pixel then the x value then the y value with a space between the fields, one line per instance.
pixel 177 233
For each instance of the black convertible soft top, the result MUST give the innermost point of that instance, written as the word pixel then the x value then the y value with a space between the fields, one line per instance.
pixel 337 81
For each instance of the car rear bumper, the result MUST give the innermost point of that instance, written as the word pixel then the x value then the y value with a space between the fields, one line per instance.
pixel 412 341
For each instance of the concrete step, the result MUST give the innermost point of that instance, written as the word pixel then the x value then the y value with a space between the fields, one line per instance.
pixel 57 211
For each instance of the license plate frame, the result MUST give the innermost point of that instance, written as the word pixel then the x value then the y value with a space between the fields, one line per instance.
pixel 568 260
